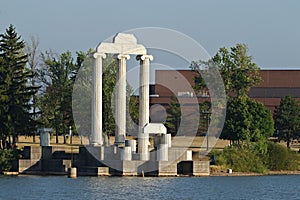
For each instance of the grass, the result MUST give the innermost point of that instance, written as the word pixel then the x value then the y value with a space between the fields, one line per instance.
pixel 194 143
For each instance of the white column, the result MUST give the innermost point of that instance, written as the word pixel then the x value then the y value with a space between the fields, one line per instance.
pixel 96 129
pixel 120 134
pixel 143 139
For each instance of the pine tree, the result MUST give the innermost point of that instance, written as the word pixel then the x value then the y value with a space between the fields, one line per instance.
pixel 15 92
pixel 173 116
pixel 287 118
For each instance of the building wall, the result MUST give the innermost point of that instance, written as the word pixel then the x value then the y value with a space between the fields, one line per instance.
pixel 275 84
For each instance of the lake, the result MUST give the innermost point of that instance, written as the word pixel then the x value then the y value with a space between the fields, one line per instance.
pixel 61 187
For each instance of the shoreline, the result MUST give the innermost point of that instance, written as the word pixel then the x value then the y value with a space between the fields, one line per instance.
pixel 270 173
pixel 214 174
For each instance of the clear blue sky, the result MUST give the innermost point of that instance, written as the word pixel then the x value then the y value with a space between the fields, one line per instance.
pixel 270 28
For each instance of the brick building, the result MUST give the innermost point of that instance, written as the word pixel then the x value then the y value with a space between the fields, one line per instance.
pixel 275 84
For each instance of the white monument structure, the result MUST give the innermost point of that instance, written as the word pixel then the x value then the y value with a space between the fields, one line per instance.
pixel 122 47
pixel 133 157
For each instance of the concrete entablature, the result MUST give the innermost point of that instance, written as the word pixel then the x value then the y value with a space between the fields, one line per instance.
pixel 123 43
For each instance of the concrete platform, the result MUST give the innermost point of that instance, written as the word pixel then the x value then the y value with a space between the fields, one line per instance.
pixel 105 161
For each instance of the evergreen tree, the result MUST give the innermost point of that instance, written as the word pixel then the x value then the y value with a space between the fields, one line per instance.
pixel 287 119
pixel 15 92
pixel 205 112
pixel 173 116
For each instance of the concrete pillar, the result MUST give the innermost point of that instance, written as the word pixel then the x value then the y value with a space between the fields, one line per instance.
pixel 143 146
pixel 144 90
pixel 126 153
pixel 165 139
pixel 72 172
pixel 44 139
pixel 162 152
pixel 132 144
pixel 143 139
pixel 169 139
pixel 121 99
pixel 96 129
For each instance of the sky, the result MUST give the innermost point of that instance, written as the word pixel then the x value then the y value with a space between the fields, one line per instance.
pixel 270 28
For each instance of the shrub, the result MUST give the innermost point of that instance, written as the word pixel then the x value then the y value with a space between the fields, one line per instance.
pixel 6 158
pixel 240 159
pixel 244 160
pixel 277 156
pixel 293 161
pixel 258 157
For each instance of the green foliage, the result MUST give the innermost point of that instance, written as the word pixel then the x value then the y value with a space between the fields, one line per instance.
pixel 173 116
pixel 6 158
pixel 133 112
pixel 236 67
pixel 281 158
pixel 262 125
pixel 58 75
pixel 247 119
pixel 205 111
pixel 240 159
pixel 257 157
pixel 277 156
pixel 109 83
pixel 15 92
pixel 293 161
pixel 287 119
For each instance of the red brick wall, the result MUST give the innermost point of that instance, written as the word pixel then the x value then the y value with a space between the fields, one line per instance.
pixel 169 82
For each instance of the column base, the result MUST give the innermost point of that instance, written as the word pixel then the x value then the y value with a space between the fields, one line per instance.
pixel 119 144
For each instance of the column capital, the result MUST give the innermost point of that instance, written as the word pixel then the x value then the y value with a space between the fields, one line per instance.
pixel 97 54
pixel 120 56
pixel 144 57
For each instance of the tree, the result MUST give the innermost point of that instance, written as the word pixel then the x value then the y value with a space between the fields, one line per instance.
pixel 248 120
pixel 15 92
pixel 173 116
pixel 132 112
pixel 33 61
pixel 205 112
pixel 236 67
pixel 109 82
pixel 58 75
pixel 287 118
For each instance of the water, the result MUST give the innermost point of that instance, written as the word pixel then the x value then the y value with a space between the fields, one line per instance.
pixel 60 187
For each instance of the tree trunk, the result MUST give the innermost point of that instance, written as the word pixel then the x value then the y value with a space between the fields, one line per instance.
pixel 34 113
pixel 9 140
pixel 56 136
pixel 65 139
pixel 15 140
pixel 288 139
